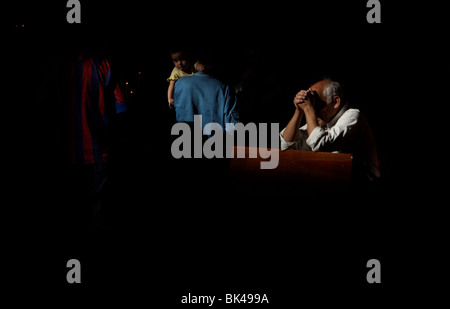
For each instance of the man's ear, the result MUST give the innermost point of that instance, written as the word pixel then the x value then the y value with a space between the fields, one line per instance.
pixel 336 102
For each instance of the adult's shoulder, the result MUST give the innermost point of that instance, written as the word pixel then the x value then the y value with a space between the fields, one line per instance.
pixel 184 80
pixel 352 112
pixel 347 116
pixel 354 116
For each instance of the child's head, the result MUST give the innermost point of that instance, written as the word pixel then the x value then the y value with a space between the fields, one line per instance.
pixel 181 59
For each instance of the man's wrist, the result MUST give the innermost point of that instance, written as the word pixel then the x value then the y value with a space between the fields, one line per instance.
pixel 298 112
pixel 308 108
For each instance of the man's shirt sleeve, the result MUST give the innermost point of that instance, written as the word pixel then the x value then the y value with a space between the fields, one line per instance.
pixel 299 144
pixel 332 139
pixel 323 139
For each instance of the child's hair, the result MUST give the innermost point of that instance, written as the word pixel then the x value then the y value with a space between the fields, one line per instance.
pixel 186 51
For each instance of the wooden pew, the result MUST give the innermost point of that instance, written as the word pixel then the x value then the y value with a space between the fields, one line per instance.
pixel 312 170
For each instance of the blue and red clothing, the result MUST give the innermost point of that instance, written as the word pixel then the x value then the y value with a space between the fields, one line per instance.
pixel 94 100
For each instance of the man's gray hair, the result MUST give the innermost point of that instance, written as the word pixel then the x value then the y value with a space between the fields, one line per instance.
pixel 332 89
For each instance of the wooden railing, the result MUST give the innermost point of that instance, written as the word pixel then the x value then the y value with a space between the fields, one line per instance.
pixel 295 167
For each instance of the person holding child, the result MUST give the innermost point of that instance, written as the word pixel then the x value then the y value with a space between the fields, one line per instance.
pixel 183 66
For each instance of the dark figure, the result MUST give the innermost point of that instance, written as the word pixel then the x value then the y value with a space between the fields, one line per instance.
pixel 89 103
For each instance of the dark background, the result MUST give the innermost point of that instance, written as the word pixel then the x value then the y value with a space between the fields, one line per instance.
pixel 172 236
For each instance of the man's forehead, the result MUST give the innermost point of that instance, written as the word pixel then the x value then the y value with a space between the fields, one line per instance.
pixel 318 85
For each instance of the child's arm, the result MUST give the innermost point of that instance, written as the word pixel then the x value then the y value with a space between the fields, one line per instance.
pixel 170 92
